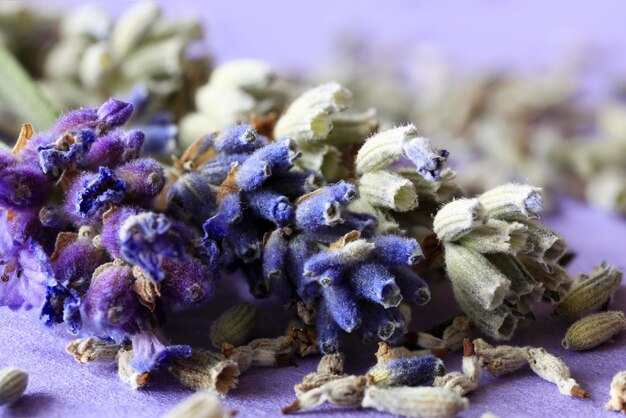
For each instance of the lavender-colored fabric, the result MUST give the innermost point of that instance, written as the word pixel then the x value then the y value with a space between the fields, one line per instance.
pixel 60 387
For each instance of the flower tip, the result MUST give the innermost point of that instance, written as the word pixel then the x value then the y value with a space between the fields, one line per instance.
pixel 115 112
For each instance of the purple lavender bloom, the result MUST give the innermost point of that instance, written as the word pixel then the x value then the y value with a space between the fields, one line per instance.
pixel 62 305
pixel 114 113
pixel 111 224
pixel 413 371
pixel 114 148
pixel 186 282
pixel 144 178
pixel 394 250
pixel 151 349
pixel 75 260
pixel 231 207
pixel 85 118
pixel 110 302
pixel 344 192
pixel 274 255
pixel 24 270
pixel 302 248
pixel 270 206
pixel 318 210
pixel 294 184
pixel 328 333
pixel 91 193
pixel 372 281
pixel 277 157
pixel 341 303
pixel 413 286
pixel 23 186
pixel 216 170
pixel 191 197
pixel 148 238
pixel 380 323
pixel 55 157
pixel 237 139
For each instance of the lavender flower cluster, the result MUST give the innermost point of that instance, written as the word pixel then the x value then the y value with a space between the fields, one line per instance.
pixel 108 243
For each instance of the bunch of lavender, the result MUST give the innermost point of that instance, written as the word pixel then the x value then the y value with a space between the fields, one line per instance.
pixel 82 243
pixel 289 235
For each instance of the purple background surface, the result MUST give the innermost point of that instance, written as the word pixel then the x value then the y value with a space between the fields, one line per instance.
pixel 288 34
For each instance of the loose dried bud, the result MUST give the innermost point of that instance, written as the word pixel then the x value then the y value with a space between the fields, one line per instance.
pixel 267 352
pixel 205 370
pixel 305 340
pixel 454 334
pixel 387 353
pixel 13 383
pixel 331 363
pixel 127 373
pixel 502 359
pixel 461 383
pixel 406 372
pixel 420 402
pixel 511 200
pixel 199 405
pixel 329 368
pixel 458 218
pixel 346 392
pixel 235 325
pixel 618 393
pixel 306 312
pixel 594 330
pixel 89 349
pixel 388 190
pixel 553 369
pixel 591 293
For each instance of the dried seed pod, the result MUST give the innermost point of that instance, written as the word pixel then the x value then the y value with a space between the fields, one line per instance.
pixel 594 330
pixel 591 293
pixel 199 405
pixel 347 392
pixel 388 190
pixel 13 383
pixel 205 370
pixel 419 402
pixel 511 200
pixel 553 369
pixel 89 349
pixel 618 393
pixel 235 325
pixel 458 218
pixel 465 381
pixel 502 359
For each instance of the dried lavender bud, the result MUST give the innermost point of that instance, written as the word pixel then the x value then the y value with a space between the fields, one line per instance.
pixel 90 349
pixel 406 372
pixel 199 405
pixel 187 282
pixel 384 148
pixel 144 178
pixel 412 286
pixel 374 282
pixel 13 383
pixel 553 369
pixel 497 237
pixel 502 359
pixel 419 402
pixel 467 380
pixel 511 200
pixel 22 187
pixel 618 393
pixel 346 392
pixel 329 368
pixel 590 293
pixel 458 218
pixel 593 330
pixel 546 245
pixel 308 117
pixel 91 194
pixel 277 157
pixel 238 139
pixel 499 323
pixel 234 325
pixel 388 190
pixel 473 274
pixel 387 353
pixel 305 340
pixel 204 370
pixel 192 198
pixel 271 206
pixel 396 250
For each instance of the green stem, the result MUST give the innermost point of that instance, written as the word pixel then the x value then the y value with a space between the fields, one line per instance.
pixel 20 94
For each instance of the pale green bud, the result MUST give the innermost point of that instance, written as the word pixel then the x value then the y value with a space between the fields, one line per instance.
pixel 594 330
pixel 458 218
